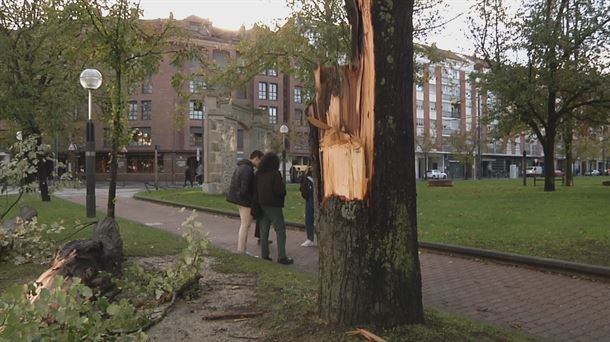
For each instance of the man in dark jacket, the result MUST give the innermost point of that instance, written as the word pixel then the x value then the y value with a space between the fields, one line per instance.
pixel 241 193
pixel 270 192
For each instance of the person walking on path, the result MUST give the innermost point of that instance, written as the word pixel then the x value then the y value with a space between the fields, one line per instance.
pixel 270 192
pixel 188 176
pixel 306 189
pixel 241 193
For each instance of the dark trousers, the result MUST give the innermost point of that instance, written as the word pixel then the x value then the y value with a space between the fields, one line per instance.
pixel 275 216
pixel 309 228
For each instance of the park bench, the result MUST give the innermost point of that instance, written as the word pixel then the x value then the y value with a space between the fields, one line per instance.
pixel 541 179
pixel 440 182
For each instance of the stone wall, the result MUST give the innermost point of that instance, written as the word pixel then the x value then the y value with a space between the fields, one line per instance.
pixel 220 142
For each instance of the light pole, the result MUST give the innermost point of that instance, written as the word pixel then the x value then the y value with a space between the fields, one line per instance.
pixel 479 168
pixel 90 79
pixel 284 131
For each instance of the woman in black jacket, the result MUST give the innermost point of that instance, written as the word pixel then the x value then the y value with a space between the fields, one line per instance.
pixel 270 192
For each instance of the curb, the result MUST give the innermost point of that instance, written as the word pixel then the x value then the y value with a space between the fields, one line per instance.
pixel 538 262
pixel 293 225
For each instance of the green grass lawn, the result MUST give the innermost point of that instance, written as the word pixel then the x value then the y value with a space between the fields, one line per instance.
pixel 138 240
pixel 569 224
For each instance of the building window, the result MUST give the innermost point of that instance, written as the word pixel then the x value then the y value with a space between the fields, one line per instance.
pixel 196 136
pixel 240 140
pixel 273 91
pixel 195 110
pixel 107 137
pixel 420 105
pixel 271 72
pixel 298 116
pixel 263 109
pixel 147 86
pixel 272 115
pixel 241 93
pixel 221 57
pixel 297 95
pixel 146 110
pixel 141 137
pixel 432 106
pixel 133 88
pixel 197 85
pixel 420 122
pixel 132 114
pixel 262 90
pixel 143 163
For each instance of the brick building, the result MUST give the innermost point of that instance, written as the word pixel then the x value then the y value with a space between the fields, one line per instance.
pixel 212 129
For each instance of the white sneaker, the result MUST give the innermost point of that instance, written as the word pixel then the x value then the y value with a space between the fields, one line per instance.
pixel 308 243
pixel 252 255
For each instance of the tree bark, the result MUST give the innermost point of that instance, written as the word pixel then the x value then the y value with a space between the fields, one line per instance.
pixel 369 264
pixel 42 173
pixel 549 158
pixel 117 131
pixel 567 139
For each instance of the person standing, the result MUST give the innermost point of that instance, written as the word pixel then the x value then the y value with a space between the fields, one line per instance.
pixel 270 192
pixel 188 176
pixel 241 193
pixel 199 174
pixel 306 189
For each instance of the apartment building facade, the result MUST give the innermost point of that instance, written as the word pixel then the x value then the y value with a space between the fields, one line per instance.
pixel 447 103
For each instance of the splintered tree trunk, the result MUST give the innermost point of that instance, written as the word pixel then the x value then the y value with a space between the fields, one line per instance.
pixel 369 265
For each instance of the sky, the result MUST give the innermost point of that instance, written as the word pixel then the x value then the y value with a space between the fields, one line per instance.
pixel 231 14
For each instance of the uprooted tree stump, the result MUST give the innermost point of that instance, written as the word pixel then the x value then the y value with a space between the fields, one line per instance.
pixel 86 259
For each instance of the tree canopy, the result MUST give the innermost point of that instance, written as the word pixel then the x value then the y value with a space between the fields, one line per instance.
pixel 547 65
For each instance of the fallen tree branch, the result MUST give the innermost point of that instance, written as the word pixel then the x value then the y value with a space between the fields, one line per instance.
pixel 369 336
pixel 231 315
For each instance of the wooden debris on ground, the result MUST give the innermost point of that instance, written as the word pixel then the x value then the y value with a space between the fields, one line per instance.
pixel 369 336
pixel 215 316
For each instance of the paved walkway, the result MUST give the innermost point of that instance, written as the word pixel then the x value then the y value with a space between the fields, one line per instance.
pixel 548 306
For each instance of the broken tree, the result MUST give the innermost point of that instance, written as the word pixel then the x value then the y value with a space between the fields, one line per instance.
pixel 369 265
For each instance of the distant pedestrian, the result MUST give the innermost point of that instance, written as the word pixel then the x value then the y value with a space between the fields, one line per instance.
pixel 199 174
pixel 241 192
pixel 306 189
pixel 188 176
pixel 270 192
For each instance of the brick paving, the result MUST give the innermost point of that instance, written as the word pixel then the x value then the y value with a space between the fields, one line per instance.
pixel 552 307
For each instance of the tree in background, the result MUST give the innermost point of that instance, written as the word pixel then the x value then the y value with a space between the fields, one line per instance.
pixel 546 64
pixel 127 50
pixel 40 61
pixel 465 145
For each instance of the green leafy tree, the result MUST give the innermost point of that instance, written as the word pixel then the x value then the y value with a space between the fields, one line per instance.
pixel 128 50
pixel 546 65
pixel 316 33
pixel 465 145
pixel 39 66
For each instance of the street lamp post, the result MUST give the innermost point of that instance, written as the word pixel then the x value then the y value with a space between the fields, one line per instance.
pixel 479 168
pixel 90 79
pixel 284 131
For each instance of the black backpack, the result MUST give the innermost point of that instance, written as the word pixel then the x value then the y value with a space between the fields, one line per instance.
pixel 306 187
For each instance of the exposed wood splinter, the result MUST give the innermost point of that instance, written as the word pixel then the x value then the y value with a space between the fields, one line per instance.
pixel 369 336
